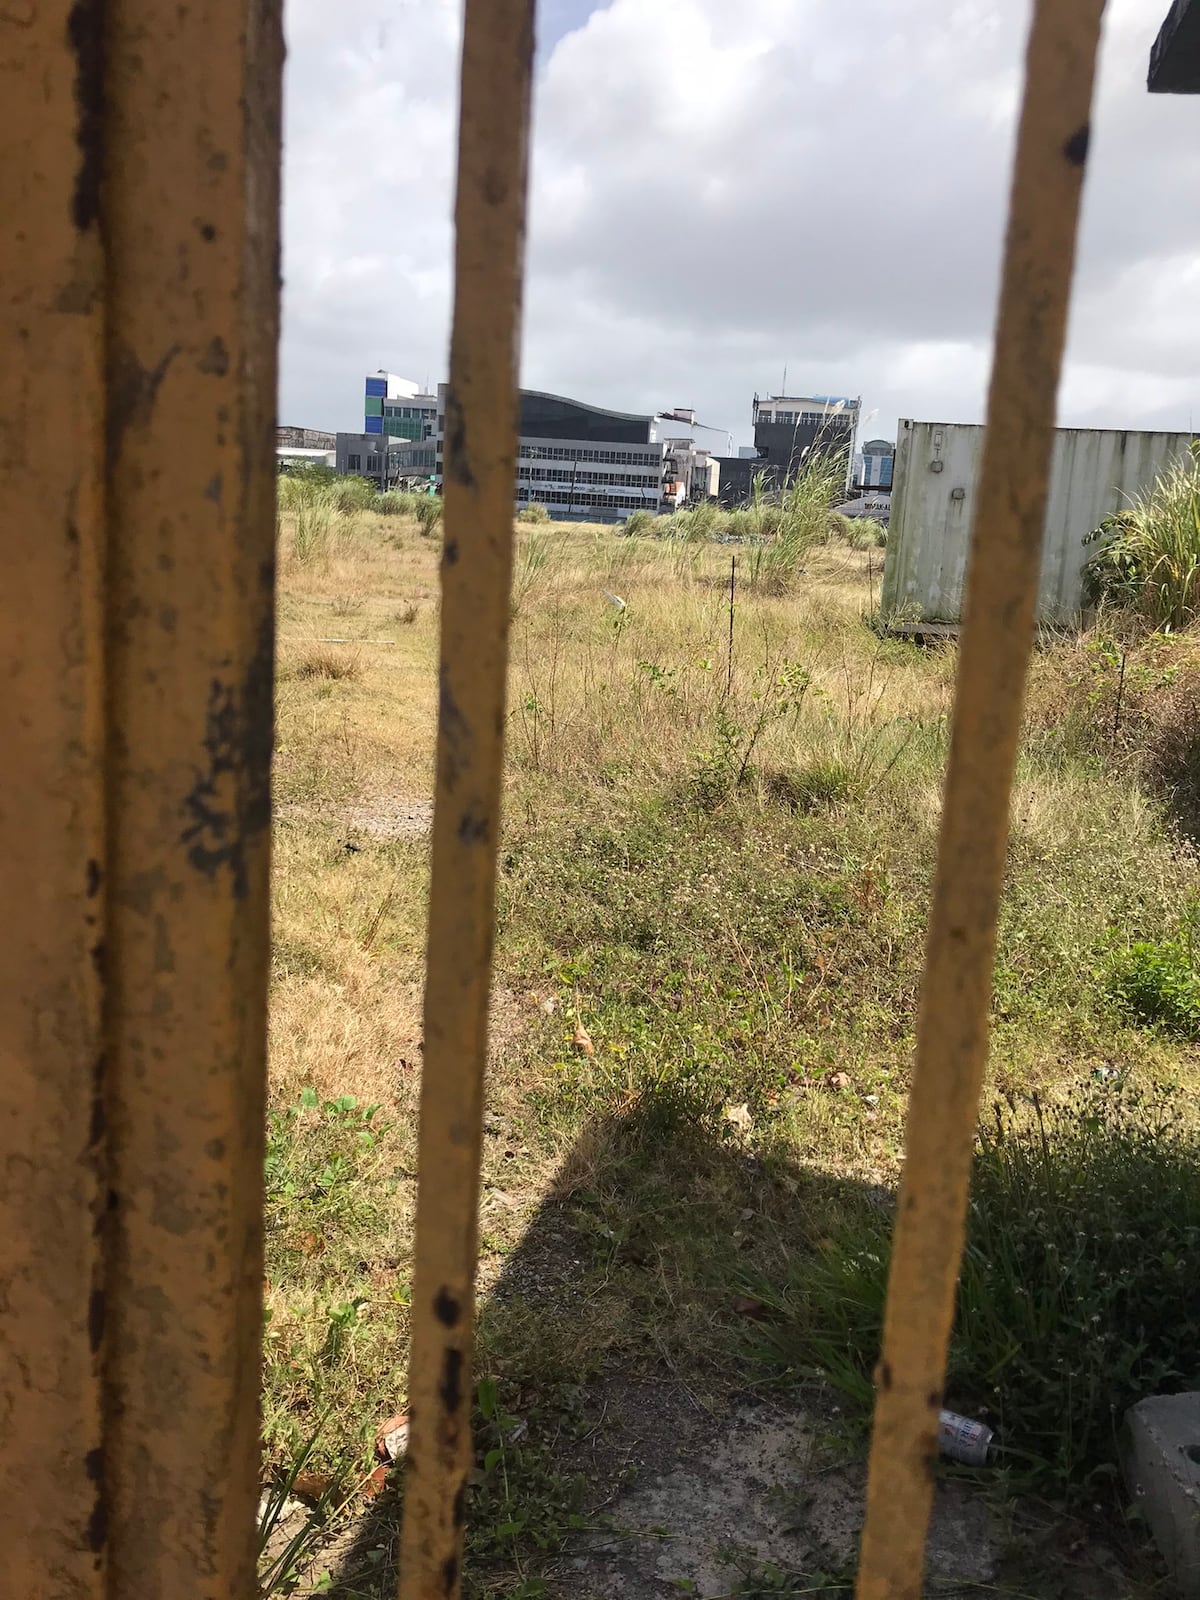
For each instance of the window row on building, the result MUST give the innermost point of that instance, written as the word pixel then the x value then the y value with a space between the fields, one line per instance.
pixel 789 419
pixel 554 452
pixel 590 499
pixel 557 475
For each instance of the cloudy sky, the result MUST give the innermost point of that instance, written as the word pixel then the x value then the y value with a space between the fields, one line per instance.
pixel 722 188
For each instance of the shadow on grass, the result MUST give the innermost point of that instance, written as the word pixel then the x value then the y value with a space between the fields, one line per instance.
pixel 631 1315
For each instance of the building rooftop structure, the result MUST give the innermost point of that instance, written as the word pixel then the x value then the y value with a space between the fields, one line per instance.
pixel 1175 59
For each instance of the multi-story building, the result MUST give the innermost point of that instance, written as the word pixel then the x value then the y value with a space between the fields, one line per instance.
pixel 396 408
pixel 787 430
pixel 873 465
pixel 582 462
pixel 388 463
pixel 304 439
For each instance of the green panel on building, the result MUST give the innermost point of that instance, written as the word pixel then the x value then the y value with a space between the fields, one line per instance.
pixel 372 406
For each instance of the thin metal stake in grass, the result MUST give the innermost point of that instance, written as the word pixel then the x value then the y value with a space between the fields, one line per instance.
pixel 732 593
pixel 1116 727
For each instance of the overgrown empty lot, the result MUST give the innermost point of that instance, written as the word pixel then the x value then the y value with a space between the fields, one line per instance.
pixel 715 872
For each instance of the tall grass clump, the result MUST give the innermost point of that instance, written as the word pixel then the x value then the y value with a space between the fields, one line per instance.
pixel 353 494
pixel 1148 559
pixel 1075 1297
pixel 396 503
pixel 785 527
pixel 429 514
pixel 313 508
pixel 533 512
pixel 638 522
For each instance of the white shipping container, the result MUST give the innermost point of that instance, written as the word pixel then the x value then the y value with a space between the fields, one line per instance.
pixel 1094 472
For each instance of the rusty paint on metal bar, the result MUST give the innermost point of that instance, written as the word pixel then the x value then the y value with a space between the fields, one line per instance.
pixel 480 475
pixel 191 200
pixel 952 1043
pixel 51 801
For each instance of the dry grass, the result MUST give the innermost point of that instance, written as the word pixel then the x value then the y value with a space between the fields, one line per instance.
pixel 721 869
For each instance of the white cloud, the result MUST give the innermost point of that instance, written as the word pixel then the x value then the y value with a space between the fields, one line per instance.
pixel 722 189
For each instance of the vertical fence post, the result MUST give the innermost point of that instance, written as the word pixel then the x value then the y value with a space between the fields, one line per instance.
pixel 997 638
pixel 480 476
pixel 51 803
pixel 191 201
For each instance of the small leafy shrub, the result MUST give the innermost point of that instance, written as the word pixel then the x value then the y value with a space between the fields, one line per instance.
pixel 1075 1297
pixel 429 514
pixel 1158 981
pixel 533 512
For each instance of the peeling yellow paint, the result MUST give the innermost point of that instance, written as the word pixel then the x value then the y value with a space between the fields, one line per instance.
pixel 997 637
pixel 480 475
pixel 51 810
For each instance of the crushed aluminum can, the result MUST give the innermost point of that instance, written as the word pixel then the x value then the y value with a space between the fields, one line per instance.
pixel 961 1439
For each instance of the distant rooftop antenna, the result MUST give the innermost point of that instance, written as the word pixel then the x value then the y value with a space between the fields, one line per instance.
pixel 783 391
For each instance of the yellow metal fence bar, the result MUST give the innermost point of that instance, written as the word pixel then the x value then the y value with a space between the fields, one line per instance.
pixel 479 476
pixel 51 815
pixel 191 198
pixel 1006 544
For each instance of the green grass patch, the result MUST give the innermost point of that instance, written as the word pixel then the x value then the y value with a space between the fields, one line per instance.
pixel 1075 1297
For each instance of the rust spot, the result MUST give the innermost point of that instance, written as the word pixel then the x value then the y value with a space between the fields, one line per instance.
pixel 93 1465
pixel 458 464
pixel 85 34
pixel 133 390
pixel 229 803
pixel 216 358
pixel 207 232
pixel 97 954
pixel 1076 147
pixel 473 829
pixel 450 552
pixel 446 1308
pixel 99 1121
pixel 453 731
pixel 96 1310
pixel 885 1375
pixel 460 1505
pixel 97 1530
pixel 94 876
pixel 495 190
pixel 934 1402
pixel 451 1385
pixel 215 1148
pixel 449 1574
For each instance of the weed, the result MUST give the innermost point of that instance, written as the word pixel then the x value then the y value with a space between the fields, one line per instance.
pixel 346 605
pixel 812 788
pixel 1074 1299
pixel 395 503
pixel 533 512
pixel 531 557
pixel 290 1535
pixel 405 616
pixel 1149 555
pixel 429 515
pixel 319 661
pixel 1157 981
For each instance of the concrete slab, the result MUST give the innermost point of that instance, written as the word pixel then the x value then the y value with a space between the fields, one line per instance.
pixel 1161 1458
